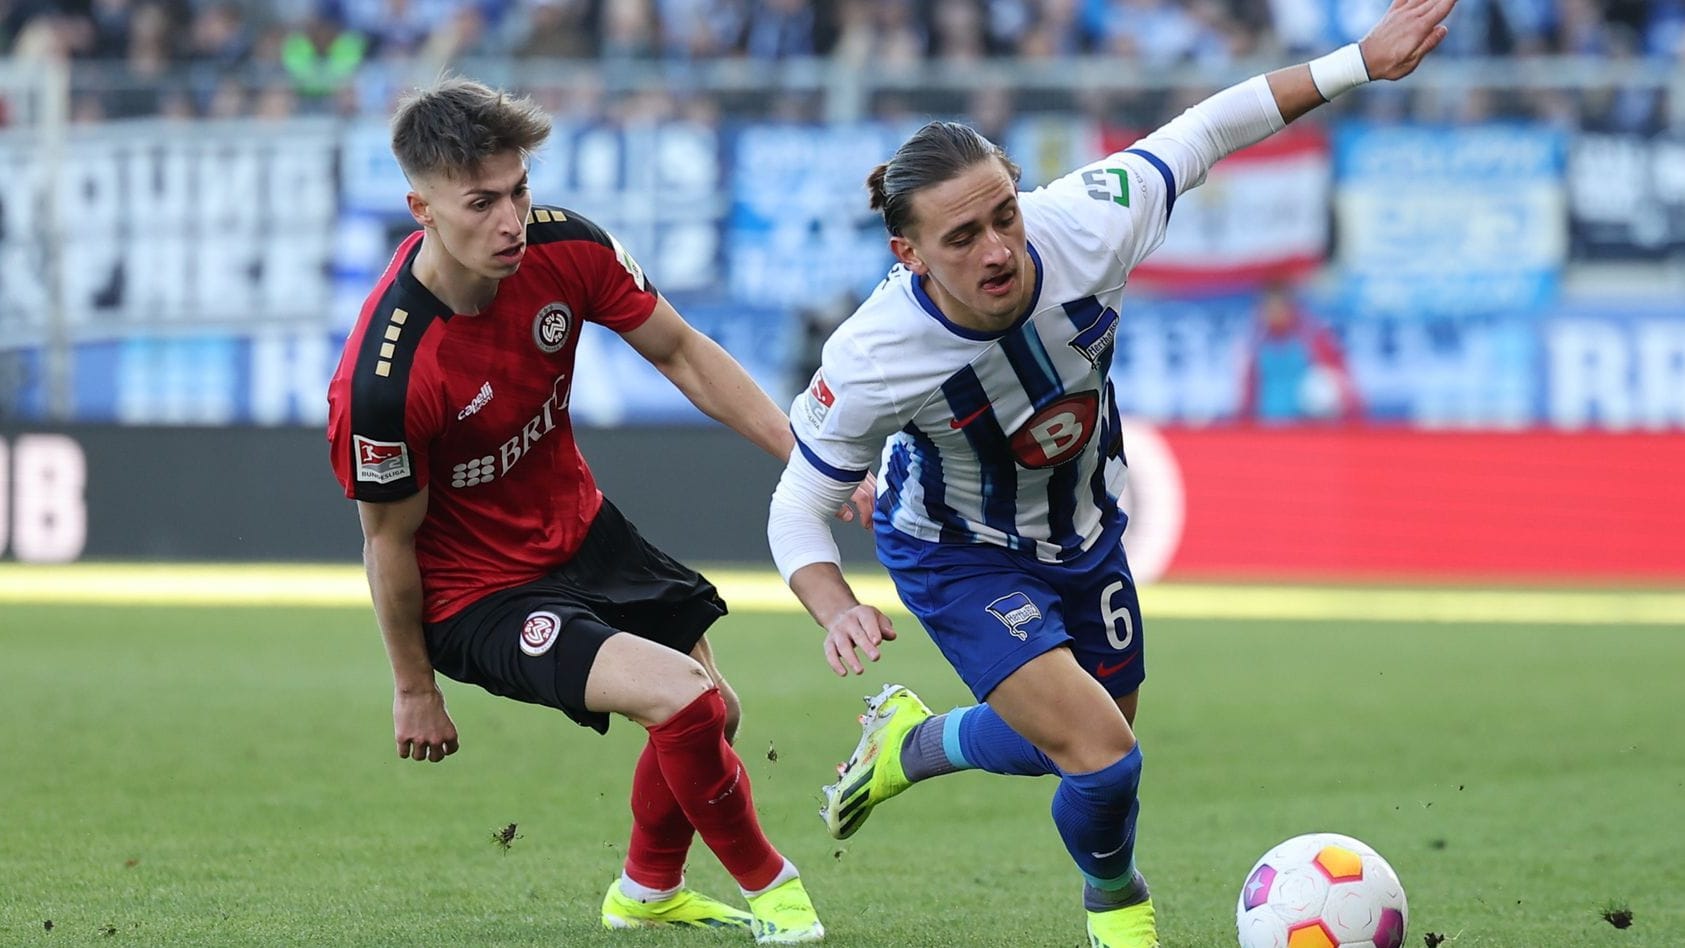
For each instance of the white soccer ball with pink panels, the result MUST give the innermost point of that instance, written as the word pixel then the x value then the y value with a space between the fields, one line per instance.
pixel 1321 890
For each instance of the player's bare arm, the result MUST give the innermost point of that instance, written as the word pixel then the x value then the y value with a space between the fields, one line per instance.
pixel 422 729
pixel 849 624
pixel 715 383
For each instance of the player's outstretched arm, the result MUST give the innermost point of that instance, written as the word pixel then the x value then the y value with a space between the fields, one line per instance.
pixel 1247 113
pixel 421 726
pixel 849 624
pixel 1393 48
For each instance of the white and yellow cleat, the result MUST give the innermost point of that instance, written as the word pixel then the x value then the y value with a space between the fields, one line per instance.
pixel 784 915
pixel 1129 927
pixel 873 773
pixel 685 909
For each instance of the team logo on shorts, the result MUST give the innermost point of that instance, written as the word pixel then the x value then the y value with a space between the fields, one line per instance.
pixel 1015 610
pixel 539 633
pixel 550 327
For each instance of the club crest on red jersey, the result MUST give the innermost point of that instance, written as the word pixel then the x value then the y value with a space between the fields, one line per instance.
pixel 539 632
pixel 551 326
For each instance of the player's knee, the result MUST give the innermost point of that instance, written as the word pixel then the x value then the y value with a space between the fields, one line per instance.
pixel 733 712
pixel 679 689
pixel 1114 784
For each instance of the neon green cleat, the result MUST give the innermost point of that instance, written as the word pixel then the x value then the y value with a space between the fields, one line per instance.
pixel 686 909
pixel 873 774
pixel 785 916
pixel 1131 927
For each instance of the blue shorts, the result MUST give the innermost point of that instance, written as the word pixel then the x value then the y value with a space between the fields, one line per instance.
pixel 990 610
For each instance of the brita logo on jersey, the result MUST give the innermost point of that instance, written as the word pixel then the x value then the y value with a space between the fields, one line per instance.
pixel 481 470
pixel 380 462
pixel 1015 610
pixel 539 632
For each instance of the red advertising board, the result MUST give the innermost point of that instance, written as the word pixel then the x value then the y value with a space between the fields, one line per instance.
pixel 1309 503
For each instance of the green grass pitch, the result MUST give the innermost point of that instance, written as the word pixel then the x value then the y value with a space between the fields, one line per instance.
pixel 225 776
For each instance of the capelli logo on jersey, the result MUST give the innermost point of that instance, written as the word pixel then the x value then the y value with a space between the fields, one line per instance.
pixel 481 398
pixel 1015 610
pixel 484 470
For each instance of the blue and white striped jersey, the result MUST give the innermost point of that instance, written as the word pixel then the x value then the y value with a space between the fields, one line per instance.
pixel 1007 438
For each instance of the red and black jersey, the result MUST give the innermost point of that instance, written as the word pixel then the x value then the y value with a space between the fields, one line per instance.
pixel 475 408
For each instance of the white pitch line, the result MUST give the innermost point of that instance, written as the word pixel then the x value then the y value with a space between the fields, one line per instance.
pixel 284 585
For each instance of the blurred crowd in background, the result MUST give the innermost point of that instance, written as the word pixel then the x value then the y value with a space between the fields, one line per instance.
pixel 217 58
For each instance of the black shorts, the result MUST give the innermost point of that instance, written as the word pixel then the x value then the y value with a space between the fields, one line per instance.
pixel 536 642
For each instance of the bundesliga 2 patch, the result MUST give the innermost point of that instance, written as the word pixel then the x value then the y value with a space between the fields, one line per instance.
pixel 380 462
pixel 815 403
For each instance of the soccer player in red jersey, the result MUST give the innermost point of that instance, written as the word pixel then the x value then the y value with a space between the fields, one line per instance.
pixel 492 556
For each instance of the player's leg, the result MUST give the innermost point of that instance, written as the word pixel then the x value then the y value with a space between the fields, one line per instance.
pixel 661 601
pixel 661 833
pixel 1103 615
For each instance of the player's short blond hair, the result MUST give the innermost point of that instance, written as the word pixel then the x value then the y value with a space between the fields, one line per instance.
pixel 452 127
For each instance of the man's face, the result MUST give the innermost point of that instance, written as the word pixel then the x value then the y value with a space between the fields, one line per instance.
pixel 481 218
pixel 967 235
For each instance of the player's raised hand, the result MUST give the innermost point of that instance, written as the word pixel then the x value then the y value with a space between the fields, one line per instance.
pixel 422 727
pixel 861 627
pixel 1409 30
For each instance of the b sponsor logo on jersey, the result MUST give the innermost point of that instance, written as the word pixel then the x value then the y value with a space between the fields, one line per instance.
pixel 1058 432
pixel 539 632
pixel 380 462
pixel 1015 610
pixel 815 403
pixel 481 399
pixel 551 326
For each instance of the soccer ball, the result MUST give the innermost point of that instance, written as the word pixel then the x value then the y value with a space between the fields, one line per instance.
pixel 1321 890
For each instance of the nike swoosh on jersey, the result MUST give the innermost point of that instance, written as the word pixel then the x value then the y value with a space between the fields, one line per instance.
pixel 968 419
pixel 1104 670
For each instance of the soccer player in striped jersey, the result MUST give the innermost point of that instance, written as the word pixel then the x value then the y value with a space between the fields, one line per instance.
pixel 492 555
pixel 975 379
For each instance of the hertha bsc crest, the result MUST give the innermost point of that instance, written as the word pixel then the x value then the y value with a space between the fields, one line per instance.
pixel 550 327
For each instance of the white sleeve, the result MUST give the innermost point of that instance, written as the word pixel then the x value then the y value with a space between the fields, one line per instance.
pixel 840 422
pixel 798 527
pixel 1126 198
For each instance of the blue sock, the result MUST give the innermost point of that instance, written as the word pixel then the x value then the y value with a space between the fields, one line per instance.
pixel 1095 813
pixel 977 738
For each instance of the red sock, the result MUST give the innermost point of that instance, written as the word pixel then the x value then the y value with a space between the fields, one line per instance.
pixel 661 834
pixel 708 779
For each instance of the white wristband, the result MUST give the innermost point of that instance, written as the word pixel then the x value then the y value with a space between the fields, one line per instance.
pixel 1339 71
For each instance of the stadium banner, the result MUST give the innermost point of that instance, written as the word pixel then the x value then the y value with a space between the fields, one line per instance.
pixel 248 494
pixel 161 231
pixel 279 375
pixel 1261 214
pixel 658 186
pixel 1371 504
pixel 1229 503
pixel 801 233
pixel 1450 221
pixel 1626 195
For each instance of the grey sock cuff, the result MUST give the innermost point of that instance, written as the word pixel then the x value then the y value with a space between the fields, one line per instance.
pixel 922 756
pixel 1101 900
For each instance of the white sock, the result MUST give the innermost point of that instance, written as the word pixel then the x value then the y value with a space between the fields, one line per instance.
pixel 644 893
pixel 784 875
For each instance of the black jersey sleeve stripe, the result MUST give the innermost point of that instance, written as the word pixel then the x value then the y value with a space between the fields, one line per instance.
pixel 380 386
pixel 548 224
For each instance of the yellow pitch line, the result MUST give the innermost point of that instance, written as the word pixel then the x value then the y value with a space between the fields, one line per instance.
pixel 284 585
